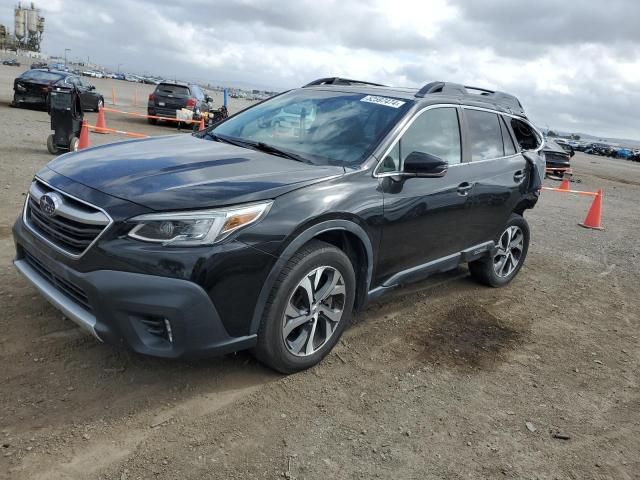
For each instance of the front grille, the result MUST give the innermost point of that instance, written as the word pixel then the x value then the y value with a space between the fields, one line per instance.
pixel 71 290
pixel 74 225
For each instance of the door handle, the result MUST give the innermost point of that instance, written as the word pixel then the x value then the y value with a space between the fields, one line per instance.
pixel 464 187
pixel 518 176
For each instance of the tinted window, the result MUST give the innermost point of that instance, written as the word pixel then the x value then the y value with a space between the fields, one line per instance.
pixel 435 131
pixel 338 128
pixel 509 147
pixel 41 76
pixel 485 136
pixel 168 88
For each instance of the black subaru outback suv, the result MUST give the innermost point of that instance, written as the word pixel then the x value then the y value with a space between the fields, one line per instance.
pixel 266 231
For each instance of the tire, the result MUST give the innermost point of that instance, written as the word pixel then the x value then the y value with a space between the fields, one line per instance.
pixel 74 142
pixel 99 103
pixel 317 268
pixel 51 146
pixel 491 271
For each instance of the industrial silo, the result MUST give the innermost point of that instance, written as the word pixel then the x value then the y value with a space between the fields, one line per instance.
pixel 20 29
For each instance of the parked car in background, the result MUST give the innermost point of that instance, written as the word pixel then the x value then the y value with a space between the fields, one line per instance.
pixel 11 62
pixel 557 157
pixel 39 65
pixel 60 67
pixel 171 96
pixel 31 88
pixel 624 153
pixel 241 237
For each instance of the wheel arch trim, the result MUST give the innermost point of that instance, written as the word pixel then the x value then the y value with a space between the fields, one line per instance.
pixel 304 237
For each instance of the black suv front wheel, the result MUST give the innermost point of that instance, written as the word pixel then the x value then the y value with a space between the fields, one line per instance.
pixel 511 250
pixel 308 309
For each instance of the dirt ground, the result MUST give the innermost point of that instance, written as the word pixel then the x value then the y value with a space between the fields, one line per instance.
pixel 444 379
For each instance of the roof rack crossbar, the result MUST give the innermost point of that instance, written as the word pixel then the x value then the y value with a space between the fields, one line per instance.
pixel 340 81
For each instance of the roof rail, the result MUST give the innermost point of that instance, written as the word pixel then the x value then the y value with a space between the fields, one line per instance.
pixel 506 100
pixel 340 81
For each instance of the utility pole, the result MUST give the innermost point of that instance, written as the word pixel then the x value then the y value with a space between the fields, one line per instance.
pixel 65 55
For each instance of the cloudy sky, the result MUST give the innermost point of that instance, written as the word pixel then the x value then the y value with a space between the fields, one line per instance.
pixel 575 64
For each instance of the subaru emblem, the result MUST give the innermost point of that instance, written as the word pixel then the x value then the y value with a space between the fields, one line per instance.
pixel 49 203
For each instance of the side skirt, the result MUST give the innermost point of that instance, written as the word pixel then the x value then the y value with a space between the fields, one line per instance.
pixel 420 272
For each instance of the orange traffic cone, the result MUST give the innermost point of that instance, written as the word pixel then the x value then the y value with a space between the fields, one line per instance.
pixel 101 123
pixel 592 220
pixel 201 127
pixel 565 184
pixel 84 136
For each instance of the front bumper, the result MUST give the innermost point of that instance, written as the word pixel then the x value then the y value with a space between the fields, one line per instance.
pixel 153 315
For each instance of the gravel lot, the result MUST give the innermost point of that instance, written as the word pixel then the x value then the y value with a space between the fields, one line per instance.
pixel 445 379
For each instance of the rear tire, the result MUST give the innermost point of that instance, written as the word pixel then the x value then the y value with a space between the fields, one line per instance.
pixel 512 247
pixel 51 145
pixel 309 307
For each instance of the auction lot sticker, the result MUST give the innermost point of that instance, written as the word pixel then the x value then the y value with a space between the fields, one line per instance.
pixel 387 102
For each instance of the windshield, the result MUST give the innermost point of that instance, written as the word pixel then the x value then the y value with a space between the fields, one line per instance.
pixel 323 127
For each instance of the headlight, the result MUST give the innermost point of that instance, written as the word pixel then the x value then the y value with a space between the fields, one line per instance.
pixel 199 227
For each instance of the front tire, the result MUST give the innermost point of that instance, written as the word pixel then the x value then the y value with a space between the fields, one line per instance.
pixel 512 247
pixel 309 307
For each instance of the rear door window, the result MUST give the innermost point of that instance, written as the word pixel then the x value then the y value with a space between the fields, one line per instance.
pixel 485 135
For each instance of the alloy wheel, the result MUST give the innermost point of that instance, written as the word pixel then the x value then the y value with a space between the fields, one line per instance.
pixel 313 311
pixel 510 247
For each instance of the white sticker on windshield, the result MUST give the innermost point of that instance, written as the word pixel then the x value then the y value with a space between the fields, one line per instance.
pixel 387 102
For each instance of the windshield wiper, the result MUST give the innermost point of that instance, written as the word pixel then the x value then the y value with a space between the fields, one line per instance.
pixel 261 146
pixel 264 147
pixel 224 139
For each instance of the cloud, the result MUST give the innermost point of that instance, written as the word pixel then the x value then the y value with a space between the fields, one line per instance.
pixel 575 65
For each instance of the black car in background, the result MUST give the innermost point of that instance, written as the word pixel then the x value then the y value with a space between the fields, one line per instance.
pixel 32 89
pixel 35 65
pixel 265 231
pixel 171 96
pixel 11 63
pixel 557 158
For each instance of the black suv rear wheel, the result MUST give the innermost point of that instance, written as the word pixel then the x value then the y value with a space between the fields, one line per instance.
pixel 512 246
pixel 308 309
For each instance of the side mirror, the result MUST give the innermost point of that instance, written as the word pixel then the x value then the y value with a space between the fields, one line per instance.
pixel 572 153
pixel 423 164
pixel 208 99
pixel 91 87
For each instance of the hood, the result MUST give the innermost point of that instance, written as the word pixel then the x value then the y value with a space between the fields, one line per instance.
pixel 182 172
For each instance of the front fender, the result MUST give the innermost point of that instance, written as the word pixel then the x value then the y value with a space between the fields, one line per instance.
pixel 293 246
